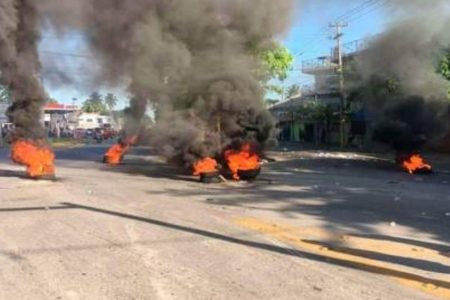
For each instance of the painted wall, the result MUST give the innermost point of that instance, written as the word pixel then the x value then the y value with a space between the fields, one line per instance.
pixel 91 121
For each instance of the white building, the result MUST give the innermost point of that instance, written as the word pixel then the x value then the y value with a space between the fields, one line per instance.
pixel 93 120
pixel 60 116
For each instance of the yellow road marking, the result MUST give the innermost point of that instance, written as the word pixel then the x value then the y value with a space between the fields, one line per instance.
pixel 395 248
pixel 306 240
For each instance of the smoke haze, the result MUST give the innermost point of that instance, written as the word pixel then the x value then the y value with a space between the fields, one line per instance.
pixel 20 67
pixel 193 61
pixel 409 53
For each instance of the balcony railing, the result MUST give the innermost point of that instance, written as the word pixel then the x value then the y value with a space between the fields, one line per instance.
pixel 314 66
pixel 329 63
pixel 354 47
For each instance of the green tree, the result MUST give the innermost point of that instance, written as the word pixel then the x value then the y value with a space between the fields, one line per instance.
pixel 51 101
pixel 314 111
pixel 284 93
pixel 95 104
pixel 293 91
pixel 323 114
pixel 96 97
pixel 444 68
pixel 277 62
pixel 4 95
pixel 377 89
pixel 111 101
pixel 277 89
pixel 271 102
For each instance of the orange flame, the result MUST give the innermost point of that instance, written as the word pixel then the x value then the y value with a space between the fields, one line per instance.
pixel 206 165
pixel 35 155
pixel 115 154
pixel 243 160
pixel 415 163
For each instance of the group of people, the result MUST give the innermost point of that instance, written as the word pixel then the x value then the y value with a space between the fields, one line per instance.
pixel 60 132
pixel 6 130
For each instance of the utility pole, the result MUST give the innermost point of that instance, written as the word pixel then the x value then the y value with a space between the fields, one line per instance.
pixel 340 71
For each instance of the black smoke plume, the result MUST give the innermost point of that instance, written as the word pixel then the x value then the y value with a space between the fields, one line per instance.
pixel 20 67
pixel 411 122
pixel 408 98
pixel 193 61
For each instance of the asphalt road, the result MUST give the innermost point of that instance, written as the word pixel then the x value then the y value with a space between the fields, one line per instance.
pixel 316 225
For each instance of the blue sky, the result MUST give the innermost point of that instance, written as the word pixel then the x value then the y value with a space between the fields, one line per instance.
pixel 68 55
pixel 310 35
pixel 308 38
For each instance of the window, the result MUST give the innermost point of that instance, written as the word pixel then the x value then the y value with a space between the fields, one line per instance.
pixel 89 120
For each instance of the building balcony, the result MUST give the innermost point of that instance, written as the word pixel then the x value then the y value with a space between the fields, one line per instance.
pixel 319 66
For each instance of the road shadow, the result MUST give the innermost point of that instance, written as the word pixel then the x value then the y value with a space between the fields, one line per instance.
pixel 348 192
pixel 417 263
pixel 153 169
pixel 360 194
pixel 136 162
pixel 23 175
pixel 13 174
pixel 432 246
pixel 228 239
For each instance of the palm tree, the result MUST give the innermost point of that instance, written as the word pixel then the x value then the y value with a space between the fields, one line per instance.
pixel 111 101
pixel 51 101
pixel 96 97
pixel 293 91
pixel 90 107
pixel 94 104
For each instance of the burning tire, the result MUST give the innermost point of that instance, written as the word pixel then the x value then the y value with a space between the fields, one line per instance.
pixel 106 160
pixel 116 153
pixel 207 169
pixel 246 175
pixel 212 177
pixel 249 175
pixel 242 163
pixel 424 171
pixel 47 177
pixel 37 156
pixel 413 163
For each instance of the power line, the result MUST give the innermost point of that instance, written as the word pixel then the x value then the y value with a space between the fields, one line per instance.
pixel 50 34
pixel 357 10
pixel 317 35
pixel 348 14
pixel 87 56
pixel 55 72
pixel 381 5
pixel 62 37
